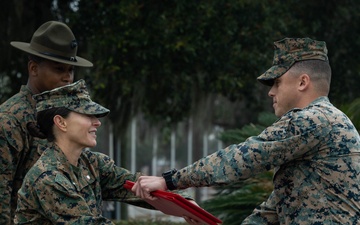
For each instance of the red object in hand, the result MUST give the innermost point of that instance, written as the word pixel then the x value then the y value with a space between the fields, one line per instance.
pixel 175 205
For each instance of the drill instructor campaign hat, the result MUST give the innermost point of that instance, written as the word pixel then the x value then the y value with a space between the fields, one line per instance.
pixel 54 41
pixel 291 50
pixel 74 97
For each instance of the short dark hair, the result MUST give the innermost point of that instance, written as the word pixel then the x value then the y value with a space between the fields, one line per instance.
pixel 35 58
pixel 318 70
pixel 45 123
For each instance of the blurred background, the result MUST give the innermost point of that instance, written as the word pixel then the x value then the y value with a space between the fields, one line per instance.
pixel 180 77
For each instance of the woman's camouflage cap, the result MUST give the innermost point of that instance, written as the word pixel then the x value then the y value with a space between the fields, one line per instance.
pixel 74 97
pixel 291 50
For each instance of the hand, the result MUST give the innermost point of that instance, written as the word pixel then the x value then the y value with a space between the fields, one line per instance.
pixel 192 221
pixel 147 184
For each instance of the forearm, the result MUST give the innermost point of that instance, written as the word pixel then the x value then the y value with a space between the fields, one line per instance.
pixel 222 167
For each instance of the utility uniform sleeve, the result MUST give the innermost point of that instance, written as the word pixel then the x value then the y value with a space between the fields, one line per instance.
pixel 293 136
pixel 112 178
pixel 11 144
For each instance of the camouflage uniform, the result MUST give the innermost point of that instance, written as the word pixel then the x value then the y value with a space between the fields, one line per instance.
pixel 314 151
pixel 18 151
pixel 56 192
pixel 316 155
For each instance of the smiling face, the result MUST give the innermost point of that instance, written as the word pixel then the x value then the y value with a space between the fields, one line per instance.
pixel 80 129
pixel 284 93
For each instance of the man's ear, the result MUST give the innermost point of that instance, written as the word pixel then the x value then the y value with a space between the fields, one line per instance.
pixel 33 68
pixel 60 122
pixel 304 81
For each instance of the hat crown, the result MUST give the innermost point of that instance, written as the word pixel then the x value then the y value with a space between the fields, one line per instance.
pixel 290 50
pixel 54 38
pixel 56 42
pixel 74 97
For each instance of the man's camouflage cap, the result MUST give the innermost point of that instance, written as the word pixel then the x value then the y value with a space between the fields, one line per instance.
pixel 74 97
pixel 291 50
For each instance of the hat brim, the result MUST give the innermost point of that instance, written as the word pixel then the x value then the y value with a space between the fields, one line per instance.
pixel 91 108
pixel 274 72
pixel 26 48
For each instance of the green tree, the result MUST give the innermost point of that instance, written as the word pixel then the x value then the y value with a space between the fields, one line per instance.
pixel 352 110
pixel 165 58
pixel 235 202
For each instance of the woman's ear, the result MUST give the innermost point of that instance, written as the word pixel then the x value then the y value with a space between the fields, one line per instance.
pixel 60 122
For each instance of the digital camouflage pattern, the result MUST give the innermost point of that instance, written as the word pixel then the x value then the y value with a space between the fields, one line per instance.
pixel 74 97
pixel 290 50
pixel 315 153
pixel 56 192
pixel 18 149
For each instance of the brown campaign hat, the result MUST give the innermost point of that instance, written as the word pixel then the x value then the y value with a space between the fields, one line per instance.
pixel 291 50
pixel 54 41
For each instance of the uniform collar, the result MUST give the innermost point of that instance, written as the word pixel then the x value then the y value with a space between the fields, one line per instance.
pixel 80 176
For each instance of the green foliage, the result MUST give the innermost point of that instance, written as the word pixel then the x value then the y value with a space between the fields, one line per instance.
pixel 239 135
pixel 161 58
pixel 234 202
pixel 352 110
